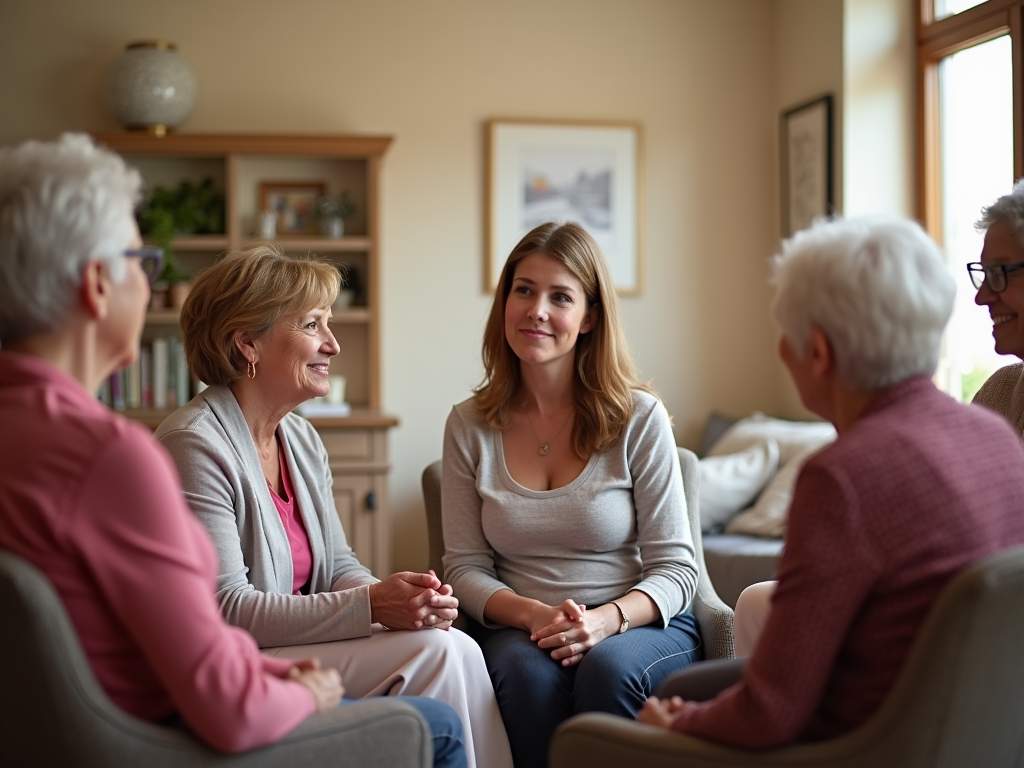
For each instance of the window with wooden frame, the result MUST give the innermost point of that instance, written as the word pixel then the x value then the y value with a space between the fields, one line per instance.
pixel 971 144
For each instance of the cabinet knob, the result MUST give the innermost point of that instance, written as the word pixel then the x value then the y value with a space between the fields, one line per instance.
pixel 371 501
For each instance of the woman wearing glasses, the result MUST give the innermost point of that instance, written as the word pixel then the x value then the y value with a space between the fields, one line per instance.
pixel 1000 282
pixel 90 499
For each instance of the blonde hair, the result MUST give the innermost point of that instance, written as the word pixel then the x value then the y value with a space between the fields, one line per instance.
pixel 605 373
pixel 248 291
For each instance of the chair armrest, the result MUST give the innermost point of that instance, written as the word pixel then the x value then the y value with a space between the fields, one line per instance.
pixel 599 740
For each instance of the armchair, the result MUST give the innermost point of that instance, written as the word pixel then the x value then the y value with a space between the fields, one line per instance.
pixel 55 713
pixel 714 618
pixel 958 700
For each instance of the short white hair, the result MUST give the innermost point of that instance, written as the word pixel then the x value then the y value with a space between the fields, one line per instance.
pixel 878 289
pixel 62 203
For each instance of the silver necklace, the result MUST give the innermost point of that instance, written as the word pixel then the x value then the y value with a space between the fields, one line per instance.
pixel 545 448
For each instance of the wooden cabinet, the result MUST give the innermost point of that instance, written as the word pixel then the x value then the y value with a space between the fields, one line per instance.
pixel 239 164
pixel 359 462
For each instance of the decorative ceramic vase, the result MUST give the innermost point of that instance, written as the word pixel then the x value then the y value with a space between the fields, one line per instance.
pixel 177 294
pixel 332 226
pixel 150 87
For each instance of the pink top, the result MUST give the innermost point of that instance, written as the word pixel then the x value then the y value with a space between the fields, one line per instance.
pixel 917 489
pixel 93 501
pixel 298 540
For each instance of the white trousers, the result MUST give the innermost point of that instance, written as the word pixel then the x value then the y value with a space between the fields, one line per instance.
pixel 447 666
pixel 752 608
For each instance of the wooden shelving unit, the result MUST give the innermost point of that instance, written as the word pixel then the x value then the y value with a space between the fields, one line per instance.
pixel 238 164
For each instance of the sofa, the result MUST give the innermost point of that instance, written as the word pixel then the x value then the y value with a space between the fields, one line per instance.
pixel 747 471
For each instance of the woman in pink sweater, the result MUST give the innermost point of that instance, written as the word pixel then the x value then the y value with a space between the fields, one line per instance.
pixel 89 497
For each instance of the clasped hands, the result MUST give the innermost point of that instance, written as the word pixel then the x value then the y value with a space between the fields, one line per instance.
pixel 569 630
pixel 408 600
pixel 660 712
pixel 324 684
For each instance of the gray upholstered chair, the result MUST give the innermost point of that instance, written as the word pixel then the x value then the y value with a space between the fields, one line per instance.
pixel 714 618
pixel 55 713
pixel 959 700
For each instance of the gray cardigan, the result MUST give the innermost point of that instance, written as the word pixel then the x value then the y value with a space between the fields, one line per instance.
pixel 226 489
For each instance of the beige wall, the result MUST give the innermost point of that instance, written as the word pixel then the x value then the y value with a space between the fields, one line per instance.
pixel 809 55
pixel 702 76
pixel 878 117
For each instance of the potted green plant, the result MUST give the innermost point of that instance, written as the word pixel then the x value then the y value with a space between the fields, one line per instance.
pixel 189 209
pixel 331 211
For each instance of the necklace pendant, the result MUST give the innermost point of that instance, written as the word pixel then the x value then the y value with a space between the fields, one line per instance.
pixel 544 450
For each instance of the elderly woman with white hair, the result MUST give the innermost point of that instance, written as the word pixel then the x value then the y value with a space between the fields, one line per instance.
pixel 915 488
pixel 1000 283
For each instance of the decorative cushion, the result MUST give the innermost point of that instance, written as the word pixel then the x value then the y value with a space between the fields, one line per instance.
pixel 768 515
pixel 716 425
pixel 797 441
pixel 793 437
pixel 729 483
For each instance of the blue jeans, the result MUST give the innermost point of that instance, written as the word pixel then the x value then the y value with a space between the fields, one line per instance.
pixel 445 730
pixel 536 693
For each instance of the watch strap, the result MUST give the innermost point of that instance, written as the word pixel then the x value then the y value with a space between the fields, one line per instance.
pixel 624 624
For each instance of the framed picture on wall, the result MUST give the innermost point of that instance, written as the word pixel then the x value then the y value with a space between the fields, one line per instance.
pixel 805 133
pixel 294 202
pixel 586 172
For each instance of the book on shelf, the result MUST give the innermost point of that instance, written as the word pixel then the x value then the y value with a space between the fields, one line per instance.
pixel 320 407
pixel 160 373
pixel 117 400
pixel 159 378
pixel 146 375
pixel 133 385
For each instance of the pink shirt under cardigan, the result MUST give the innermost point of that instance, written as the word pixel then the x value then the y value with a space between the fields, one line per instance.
pixel 914 491
pixel 93 501
pixel 298 539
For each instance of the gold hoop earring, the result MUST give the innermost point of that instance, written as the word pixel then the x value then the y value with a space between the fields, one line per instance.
pixel 250 370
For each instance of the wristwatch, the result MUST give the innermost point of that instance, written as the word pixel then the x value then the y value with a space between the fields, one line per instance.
pixel 624 624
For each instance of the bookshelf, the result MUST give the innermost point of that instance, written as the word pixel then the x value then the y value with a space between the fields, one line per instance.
pixel 239 164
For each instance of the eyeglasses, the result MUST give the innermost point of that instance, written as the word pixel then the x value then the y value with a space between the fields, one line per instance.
pixel 993 274
pixel 151 258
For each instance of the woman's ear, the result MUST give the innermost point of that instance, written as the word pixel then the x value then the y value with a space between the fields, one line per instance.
pixel 591 318
pixel 821 353
pixel 245 345
pixel 95 289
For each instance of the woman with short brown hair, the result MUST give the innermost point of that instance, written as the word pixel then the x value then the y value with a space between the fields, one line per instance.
pixel 256 326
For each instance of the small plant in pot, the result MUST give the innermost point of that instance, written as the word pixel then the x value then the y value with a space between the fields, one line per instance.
pixel 331 211
pixel 188 209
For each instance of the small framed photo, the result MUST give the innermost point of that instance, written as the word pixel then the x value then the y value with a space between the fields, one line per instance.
pixel 805 134
pixel 294 202
pixel 584 172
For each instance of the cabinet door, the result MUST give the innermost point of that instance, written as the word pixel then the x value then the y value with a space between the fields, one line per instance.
pixel 350 498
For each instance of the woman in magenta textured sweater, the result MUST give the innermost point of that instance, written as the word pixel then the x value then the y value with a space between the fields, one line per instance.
pixel 915 488
pixel 89 497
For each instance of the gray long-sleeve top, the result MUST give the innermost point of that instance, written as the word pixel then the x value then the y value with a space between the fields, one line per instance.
pixel 620 525
pixel 226 489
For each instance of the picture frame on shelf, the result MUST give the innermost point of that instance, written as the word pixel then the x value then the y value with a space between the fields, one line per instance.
pixel 587 172
pixel 805 152
pixel 294 202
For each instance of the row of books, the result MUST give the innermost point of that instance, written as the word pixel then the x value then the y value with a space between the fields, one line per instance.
pixel 159 378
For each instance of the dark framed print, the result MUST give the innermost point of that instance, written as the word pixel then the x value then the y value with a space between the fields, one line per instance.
pixel 805 133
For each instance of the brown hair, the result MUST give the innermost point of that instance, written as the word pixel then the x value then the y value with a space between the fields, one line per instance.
pixel 248 291
pixel 605 373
